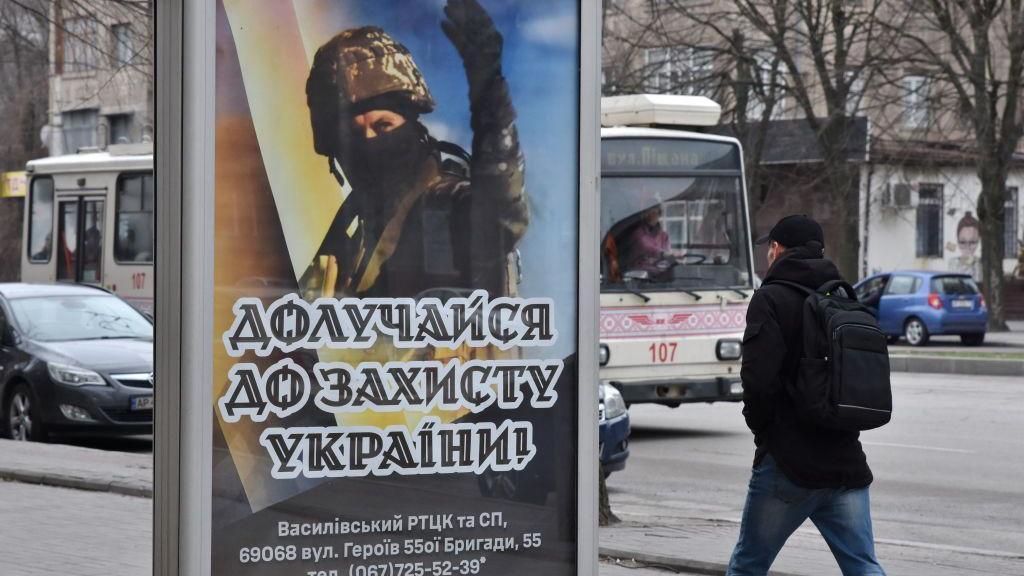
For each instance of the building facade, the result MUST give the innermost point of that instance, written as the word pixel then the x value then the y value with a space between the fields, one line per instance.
pixel 916 188
pixel 923 216
pixel 101 75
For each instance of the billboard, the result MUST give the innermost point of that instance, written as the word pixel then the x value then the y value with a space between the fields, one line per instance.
pixel 392 385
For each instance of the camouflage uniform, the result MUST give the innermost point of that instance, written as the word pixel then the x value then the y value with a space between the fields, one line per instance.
pixel 453 221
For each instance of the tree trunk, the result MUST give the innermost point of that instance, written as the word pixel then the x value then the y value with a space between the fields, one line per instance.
pixel 992 216
pixel 841 178
pixel 605 516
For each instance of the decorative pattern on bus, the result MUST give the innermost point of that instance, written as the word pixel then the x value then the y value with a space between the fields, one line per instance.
pixel 672 321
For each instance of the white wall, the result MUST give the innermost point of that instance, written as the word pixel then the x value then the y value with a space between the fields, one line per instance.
pixel 889 235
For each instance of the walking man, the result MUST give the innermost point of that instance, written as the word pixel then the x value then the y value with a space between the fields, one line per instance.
pixel 801 470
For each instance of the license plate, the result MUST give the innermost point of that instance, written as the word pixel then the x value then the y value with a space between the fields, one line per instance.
pixel 142 403
pixel 968 304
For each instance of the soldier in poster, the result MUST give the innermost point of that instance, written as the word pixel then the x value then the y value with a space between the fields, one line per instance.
pixel 423 213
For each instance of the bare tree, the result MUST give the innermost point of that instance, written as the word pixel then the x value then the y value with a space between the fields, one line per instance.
pixel 23 91
pixel 808 59
pixel 973 55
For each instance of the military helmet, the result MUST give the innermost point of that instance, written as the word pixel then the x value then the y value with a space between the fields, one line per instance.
pixel 355 66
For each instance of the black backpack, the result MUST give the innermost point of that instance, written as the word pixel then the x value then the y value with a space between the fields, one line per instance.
pixel 843 379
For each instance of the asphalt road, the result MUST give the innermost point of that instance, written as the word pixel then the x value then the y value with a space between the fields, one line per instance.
pixel 948 468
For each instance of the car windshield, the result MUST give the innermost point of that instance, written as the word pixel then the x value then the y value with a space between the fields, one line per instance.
pixel 671 233
pixel 954 285
pixel 60 318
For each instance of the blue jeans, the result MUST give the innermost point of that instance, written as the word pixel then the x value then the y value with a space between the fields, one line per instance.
pixel 776 507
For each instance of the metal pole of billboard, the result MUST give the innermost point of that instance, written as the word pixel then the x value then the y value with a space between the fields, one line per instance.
pixel 589 305
pixel 167 349
pixel 184 275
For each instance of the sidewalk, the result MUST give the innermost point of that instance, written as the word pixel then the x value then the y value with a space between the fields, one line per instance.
pixel 50 531
pixel 1001 355
pixel 657 536
pixel 76 467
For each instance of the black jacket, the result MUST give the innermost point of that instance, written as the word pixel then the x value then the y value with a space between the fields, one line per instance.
pixel 810 456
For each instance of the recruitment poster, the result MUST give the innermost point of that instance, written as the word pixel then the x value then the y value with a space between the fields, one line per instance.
pixel 395 287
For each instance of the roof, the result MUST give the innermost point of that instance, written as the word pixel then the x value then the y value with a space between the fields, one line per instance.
pixel 15 290
pixel 795 142
pixel 926 153
pixel 110 160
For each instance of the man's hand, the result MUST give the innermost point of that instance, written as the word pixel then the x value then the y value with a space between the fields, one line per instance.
pixel 478 42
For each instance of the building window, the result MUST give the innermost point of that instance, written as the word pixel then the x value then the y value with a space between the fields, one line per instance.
pixel 1011 221
pixel 929 221
pixel 767 85
pixel 700 71
pixel 123 46
pixel 134 221
pixel 659 66
pixel 916 111
pixel 80 48
pixel 120 128
pixel 854 98
pixel 40 219
pixel 687 70
pixel 79 129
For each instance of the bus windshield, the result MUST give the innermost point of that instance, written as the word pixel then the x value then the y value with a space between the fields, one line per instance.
pixel 664 232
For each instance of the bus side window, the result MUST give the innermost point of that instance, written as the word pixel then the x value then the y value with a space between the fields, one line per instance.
pixel 40 221
pixel 135 203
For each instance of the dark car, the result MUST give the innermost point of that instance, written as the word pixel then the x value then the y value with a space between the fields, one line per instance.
pixel 73 360
pixel 613 433
pixel 919 305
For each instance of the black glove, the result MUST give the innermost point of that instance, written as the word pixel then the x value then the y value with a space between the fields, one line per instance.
pixel 478 42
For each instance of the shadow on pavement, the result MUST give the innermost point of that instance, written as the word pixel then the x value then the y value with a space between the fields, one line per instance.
pixel 639 433
pixel 123 444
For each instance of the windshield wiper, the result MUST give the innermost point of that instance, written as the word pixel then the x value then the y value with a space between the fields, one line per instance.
pixel 730 289
pixel 637 293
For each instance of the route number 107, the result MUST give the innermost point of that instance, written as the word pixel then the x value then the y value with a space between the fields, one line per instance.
pixel 664 352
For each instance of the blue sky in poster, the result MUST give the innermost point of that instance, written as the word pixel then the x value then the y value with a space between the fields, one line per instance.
pixel 540 63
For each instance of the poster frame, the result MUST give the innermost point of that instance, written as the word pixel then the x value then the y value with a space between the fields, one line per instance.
pixel 184 173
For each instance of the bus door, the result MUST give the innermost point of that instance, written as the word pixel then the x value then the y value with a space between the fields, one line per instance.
pixel 80 233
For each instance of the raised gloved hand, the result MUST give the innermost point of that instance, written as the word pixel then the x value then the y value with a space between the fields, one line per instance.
pixel 478 42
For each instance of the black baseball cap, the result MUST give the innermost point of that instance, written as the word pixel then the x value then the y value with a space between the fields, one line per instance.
pixel 795 230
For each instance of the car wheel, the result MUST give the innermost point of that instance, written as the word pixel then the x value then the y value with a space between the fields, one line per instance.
pixel 23 422
pixel 973 339
pixel 915 332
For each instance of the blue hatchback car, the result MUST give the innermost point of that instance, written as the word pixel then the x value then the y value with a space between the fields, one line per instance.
pixel 918 305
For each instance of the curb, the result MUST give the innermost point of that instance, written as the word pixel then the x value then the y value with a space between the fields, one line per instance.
pixel 948 365
pixel 680 564
pixel 77 482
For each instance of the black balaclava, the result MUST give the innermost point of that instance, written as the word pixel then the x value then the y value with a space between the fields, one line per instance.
pixel 381 167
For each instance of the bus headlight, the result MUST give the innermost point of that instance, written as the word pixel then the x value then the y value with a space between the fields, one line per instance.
pixel 614 405
pixel 603 354
pixel 728 350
